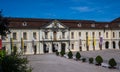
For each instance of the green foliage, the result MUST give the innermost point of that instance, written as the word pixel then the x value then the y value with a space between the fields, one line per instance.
pixel 70 55
pixel 14 62
pixel 99 60
pixel 57 53
pixel 62 53
pixel 83 59
pixel 14 50
pixel 2 54
pixel 91 60
pixel 78 55
pixel 112 62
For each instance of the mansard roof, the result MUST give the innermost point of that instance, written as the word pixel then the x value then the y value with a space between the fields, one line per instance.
pixel 36 23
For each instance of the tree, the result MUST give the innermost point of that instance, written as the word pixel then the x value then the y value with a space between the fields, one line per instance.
pixel 78 56
pixel 4 29
pixel 15 63
pixel 99 60
pixel 112 62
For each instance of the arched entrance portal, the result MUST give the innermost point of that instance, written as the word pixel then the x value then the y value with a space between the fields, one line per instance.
pixel 114 45
pixel 45 49
pixel 107 45
pixel 53 48
pixel 63 47
pixel 119 44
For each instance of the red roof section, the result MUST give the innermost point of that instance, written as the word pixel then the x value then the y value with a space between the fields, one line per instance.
pixel 33 23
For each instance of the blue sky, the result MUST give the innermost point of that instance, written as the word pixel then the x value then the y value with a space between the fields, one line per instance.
pixel 98 10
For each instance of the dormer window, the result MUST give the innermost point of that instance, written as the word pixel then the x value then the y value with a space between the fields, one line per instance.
pixel 92 25
pixel 119 25
pixel 106 25
pixel 79 25
pixel 24 23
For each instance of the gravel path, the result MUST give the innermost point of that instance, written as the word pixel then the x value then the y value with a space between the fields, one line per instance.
pixel 53 63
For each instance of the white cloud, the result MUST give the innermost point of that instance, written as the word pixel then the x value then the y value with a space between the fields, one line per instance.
pixel 83 9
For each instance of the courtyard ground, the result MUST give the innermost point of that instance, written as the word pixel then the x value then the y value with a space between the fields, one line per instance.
pixel 53 63
pixel 105 54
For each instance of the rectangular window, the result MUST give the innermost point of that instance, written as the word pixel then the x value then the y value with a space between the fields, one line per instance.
pixel 106 34
pixel 14 36
pixel 93 33
pixel 99 34
pixel 24 35
pixel 34 35
pixel 72 35
pixel 72 46
pixel 79 34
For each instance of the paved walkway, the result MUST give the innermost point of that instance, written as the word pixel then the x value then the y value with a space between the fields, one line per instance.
pixel 53 63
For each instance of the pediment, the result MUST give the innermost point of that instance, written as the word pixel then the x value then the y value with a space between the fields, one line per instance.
pixel 55 24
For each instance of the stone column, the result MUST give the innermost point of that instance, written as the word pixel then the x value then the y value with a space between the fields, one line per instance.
pixel 50 47
pixel 59 47
pixel 67 47
pixel 41 48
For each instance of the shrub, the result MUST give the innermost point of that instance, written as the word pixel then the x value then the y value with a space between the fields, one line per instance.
pixel 112 62
pixel 70 55
pixel 15 63
pixel 83 59
pixel 99 60
pixel 91 60
pixel 78 56
pixel 57 53
pixel 62 53
pixel 2 54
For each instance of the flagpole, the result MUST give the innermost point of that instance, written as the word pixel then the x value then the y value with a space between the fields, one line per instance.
pixel 22 45
pixel 11 43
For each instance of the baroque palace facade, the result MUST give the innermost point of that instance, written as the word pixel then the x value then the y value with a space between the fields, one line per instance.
pixel 49 35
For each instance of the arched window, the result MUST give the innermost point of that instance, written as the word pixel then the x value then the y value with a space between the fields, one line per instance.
pixel 106 34
pixel 46 35
pixel 113 34
pixel 55 33
pixel 72 35
pixel 25 35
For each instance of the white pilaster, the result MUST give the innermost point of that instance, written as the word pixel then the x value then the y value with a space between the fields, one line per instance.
pixel 50 47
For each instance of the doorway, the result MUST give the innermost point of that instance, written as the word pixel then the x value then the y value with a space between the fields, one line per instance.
pixel 114 46
pixel 63 47
pixel 45 49
pixel 107 45
pixel 53 48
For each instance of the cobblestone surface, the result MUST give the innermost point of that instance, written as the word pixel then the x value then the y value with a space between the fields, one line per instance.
pixel 53 63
